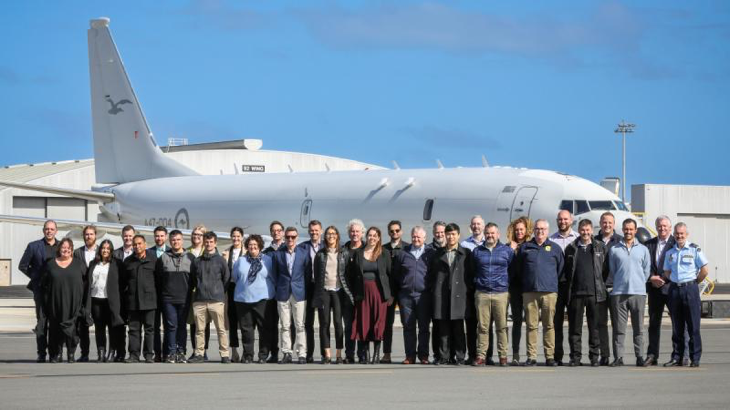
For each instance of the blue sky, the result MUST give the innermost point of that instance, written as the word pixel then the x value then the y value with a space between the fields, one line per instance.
pixel 530 84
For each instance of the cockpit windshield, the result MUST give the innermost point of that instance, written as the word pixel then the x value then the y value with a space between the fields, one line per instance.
pixel 602 205
pixel 579 206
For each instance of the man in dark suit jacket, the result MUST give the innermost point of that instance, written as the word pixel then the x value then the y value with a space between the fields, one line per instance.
pixel 291 266
pixel 86 254
pixel 141 299
pixel 31 264
pixel 313 245
pixel 609 237
pixel 657 290
pixel 119 333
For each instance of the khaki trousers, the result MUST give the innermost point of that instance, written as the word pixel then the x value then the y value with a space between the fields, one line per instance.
pixel 491 306
pixel 204 312
pixel 540 306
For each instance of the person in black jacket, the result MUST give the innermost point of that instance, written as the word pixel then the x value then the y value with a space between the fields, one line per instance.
pixel 141 299
pixel 119 333
pixel 103 298
pixel 609 237
pixel 450 279
pixel 31 264
pixel 210 277
pixel 231 255
pixel 395 246
pixel 585 271
pixel 330 287
pixel 86 254
pixel 369 274
pixel 174 278
pixel 518 232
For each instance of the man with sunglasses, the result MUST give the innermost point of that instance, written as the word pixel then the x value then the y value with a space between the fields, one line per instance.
pixel 395 246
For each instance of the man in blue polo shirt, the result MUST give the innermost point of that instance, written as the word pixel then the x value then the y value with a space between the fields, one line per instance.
pixel 540 262
pixel 686 266
pixel 629 264
pixel 490 263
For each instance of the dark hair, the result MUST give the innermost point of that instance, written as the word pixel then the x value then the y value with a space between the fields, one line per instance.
pixel 314 222
pixel 210 235
pixel 629 221
pixel 271 225
pixel 237 229
pixel 584 222
pixel 160 229
pixel 70 243
pixel 378 246
pixel 255 238
pixel 452 227
pixel 175 232
pixel 337 233
pixel 129 228
pixel 89 227
pixel 291 229
pixel 394 222
pixel 139 236
pixel 490 225
pixel 98 257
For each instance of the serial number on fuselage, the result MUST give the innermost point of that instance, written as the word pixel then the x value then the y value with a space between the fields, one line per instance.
pixel 180 221
pixel 162 221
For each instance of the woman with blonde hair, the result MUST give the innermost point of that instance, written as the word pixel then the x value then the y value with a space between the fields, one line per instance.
pixel 518 232
pixel 196 248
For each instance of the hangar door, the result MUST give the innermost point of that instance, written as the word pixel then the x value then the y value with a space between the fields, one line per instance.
pixel 712 233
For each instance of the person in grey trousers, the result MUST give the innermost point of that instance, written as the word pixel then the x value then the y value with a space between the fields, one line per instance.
pixel 629 263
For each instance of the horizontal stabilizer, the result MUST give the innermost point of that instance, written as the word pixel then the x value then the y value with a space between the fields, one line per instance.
pixel 72 193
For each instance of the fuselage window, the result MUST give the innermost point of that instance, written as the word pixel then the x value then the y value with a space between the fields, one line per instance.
pixel 581 207
pixel 601 205
pixel 566 205
pixel 509 189
pixel 427 210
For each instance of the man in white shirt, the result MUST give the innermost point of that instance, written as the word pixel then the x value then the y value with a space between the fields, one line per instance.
pixel 477 233
pixel 86 253
pixel 563 237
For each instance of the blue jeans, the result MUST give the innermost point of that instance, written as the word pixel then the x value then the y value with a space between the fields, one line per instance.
pixel 176 315
pixel 415 310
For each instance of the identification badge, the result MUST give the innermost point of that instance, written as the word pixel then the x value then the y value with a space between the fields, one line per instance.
pixel 547 248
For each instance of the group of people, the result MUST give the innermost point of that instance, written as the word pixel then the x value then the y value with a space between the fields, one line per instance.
pixel 453 294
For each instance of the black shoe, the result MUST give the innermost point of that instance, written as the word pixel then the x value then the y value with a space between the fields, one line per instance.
pixel 349 360
pixel 551 363
pixel 110 356
pixel 181 358
pixel 339 361
pixel 196 359
pixel 286 359
pixel 515 363
pixel 639 361
pixel 530 362
pixel 157 359
pixel 205 356
pixel 71 358
pixel 302 360
pixel 489 362
pixel 326 360
pixel 248 359
pixel 559 362
pixel 150 360
pixel 673 363
pixel 170 359
pixel 132 359
pixel 694 364
pixel 102 356
pixel 375 359
pixel 54 359
pixel 685 362
pixel 41 358
pixel 310 359
pixel 650 361
pixel 595 363
pixel 575 363
pixel 618 362
pixel 83 359
pixel 604 361
pixel 273 359
pixel 226 360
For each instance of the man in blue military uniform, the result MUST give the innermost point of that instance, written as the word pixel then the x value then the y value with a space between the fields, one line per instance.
pixel 686 266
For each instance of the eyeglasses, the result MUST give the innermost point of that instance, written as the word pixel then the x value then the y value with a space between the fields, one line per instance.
pixel 291 237
pixel 394 230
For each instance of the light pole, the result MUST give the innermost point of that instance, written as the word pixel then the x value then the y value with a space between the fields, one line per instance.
pixel 624 128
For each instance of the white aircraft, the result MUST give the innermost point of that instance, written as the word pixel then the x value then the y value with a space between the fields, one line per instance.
pixel 146 188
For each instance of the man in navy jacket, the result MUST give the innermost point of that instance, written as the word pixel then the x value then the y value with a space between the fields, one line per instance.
pixel 540 264
pixel 291 266
pixel 31 264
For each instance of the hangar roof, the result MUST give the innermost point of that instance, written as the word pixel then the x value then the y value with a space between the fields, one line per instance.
pixel 30 172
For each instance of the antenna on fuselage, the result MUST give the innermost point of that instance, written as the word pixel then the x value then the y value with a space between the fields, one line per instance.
pixel 395 165
pixel 439 164
pixel 290 168
pixel 485 164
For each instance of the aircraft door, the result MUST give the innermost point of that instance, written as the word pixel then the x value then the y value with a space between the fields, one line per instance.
pixel 305 213
pixel 523 202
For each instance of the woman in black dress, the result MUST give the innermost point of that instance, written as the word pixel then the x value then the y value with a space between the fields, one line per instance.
pixel 105 301
pixel 370 278
pixel 63 288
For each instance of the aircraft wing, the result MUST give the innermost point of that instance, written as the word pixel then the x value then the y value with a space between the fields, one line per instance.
pixel 72 193
pixel 112 228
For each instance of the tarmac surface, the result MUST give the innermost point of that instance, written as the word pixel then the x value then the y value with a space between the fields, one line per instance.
pixel 26 384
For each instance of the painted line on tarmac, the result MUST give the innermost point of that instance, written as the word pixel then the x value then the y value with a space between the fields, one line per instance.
pixel 669 369
pixel 331 372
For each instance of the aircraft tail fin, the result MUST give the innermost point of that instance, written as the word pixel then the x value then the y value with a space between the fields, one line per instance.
pixel 124 148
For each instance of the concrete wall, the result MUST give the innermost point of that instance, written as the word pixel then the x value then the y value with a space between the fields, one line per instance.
pixel 705 210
